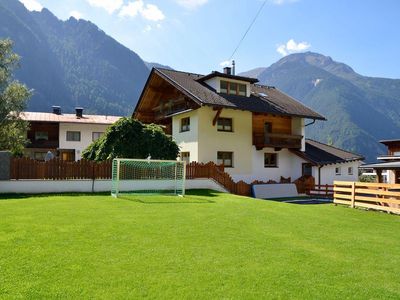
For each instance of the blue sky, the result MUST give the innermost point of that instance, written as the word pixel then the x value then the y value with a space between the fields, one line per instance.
pixel 197 35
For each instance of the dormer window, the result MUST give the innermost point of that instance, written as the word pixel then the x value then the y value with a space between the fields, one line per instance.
pixel 232 88
pixel 224 87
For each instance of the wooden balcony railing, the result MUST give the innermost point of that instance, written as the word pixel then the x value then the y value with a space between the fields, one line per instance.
pixel 277 140
pixel 43 144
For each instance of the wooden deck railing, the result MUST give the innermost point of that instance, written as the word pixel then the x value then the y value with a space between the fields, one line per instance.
pixel 378 196
pixel 278 140
pixel 322 190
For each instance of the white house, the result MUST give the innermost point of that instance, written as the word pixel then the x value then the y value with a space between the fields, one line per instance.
pixel 388 169
pixel 256 131
pixel 65 135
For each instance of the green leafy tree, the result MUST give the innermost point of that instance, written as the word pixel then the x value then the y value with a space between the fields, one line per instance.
pixel 129 138
pixel 13 98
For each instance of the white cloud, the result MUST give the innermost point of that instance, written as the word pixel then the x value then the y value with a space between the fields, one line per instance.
pixel 32 5
pixel 131 9
pixel 148 11
pixel 191 4
pixel 153 13
pixel 225 63
pixel 109 5
pixel 292 47
pixel 76 14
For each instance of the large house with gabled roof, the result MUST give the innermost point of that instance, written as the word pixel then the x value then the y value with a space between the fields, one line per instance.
pixel 256 131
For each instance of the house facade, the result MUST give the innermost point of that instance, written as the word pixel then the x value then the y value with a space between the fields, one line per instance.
pixel 388 169
pixel 64 135
pixel 256 131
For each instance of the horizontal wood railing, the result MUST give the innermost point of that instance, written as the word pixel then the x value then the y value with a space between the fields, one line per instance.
pixel 378 196
pixel 321 190
pixel 57 169
pixel 278 140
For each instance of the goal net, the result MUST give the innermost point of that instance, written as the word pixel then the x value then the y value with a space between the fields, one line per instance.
pixel 144 176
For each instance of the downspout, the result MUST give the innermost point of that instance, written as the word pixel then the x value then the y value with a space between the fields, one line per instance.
pixel 319 174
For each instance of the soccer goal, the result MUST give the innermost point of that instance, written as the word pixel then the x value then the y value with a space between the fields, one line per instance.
pixel 145 176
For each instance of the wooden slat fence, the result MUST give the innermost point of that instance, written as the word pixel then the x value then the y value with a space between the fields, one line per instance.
pixel 378 196
pixel 323 190
pixel 212 171
pixel 56 169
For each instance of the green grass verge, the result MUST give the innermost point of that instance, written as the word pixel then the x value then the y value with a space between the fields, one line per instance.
pixel 206 245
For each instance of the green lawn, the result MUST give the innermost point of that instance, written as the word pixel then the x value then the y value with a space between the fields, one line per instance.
pixel 206 245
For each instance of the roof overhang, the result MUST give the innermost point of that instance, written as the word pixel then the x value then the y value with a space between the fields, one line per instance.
pixel 154 72
pixel 383 166
pixel 228 76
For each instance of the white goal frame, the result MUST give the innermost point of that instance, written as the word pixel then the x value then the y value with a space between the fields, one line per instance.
pixel 147 176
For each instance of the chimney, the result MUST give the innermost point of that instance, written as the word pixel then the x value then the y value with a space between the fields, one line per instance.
pixel 228 70
pixel 56 109
pixel 79 112
pixel 233 67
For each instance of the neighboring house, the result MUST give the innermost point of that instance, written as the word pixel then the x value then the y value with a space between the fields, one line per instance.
pixel 390 163
pixel 65 135
pixel 256 131
pixel 327 163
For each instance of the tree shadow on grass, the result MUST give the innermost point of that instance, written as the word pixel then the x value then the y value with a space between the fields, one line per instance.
pixel 68 194
pixel 192 197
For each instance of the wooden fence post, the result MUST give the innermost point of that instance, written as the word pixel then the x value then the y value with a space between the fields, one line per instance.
pixel 353 194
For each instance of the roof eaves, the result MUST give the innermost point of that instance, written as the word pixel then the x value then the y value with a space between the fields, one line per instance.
pixel 356 155
pixel 179 87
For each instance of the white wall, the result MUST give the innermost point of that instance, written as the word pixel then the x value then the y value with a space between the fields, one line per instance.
pixel 328 174
pixel 85 186
pixel 86 131
pixel 298 128
pixel 239 141
pixel 289 165
pixel 188 140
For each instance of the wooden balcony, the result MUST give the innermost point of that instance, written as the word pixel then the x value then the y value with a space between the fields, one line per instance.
pixel 43 144
pixel 277 140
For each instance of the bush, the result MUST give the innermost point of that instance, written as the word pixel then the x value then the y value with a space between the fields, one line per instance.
pixel 129 138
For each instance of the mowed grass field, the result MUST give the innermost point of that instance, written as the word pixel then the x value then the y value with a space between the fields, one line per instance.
pixel 206 245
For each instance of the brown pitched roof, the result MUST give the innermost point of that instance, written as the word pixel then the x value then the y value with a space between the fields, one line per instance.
pixel 322 154
pixel 68 118
pixel 223 75
pixel 263 99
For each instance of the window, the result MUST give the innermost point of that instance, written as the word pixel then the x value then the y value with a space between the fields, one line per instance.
pixel 270 160
pixel 73 136
pixel 185 156
pixel 338 171
pixel 41 135
pixel 39 155
pixel 350 170
pixel 242 90
pixel 224 124
pixel 307 169
pixel 185 124
pixel 232 88
pixel 223 87
pixel 225 158
pixel 96 135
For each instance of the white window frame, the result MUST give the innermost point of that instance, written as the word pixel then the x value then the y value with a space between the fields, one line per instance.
pixel 338 171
